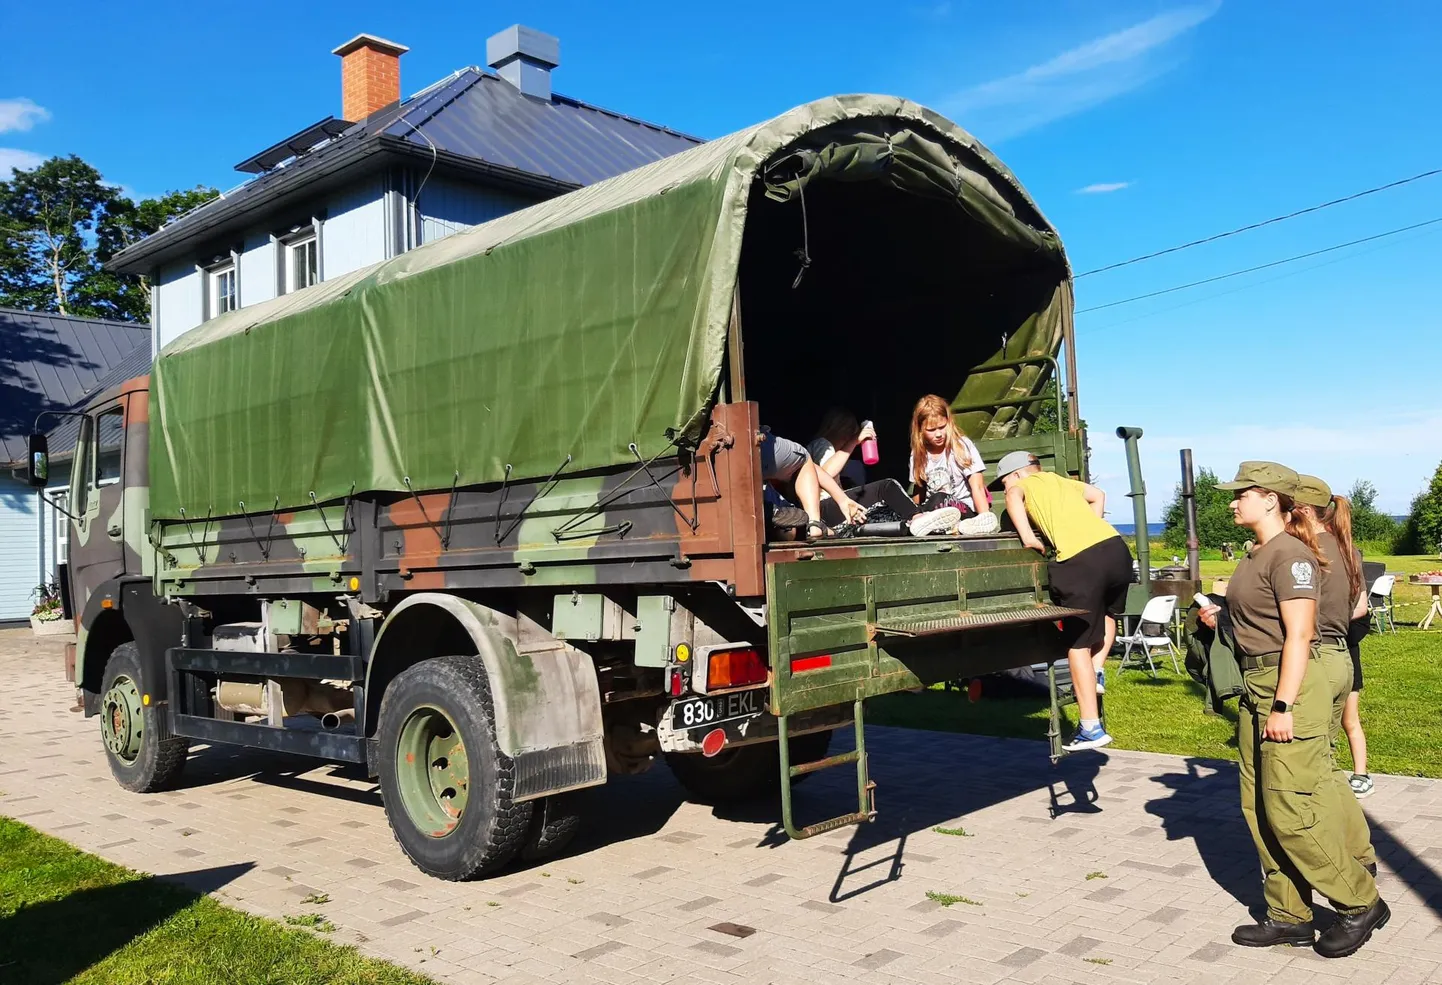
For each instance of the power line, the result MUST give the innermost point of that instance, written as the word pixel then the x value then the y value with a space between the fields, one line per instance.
pixel 1261 266
pixel 1265 222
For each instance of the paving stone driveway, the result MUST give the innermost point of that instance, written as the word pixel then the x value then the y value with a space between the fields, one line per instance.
pixel 1126 867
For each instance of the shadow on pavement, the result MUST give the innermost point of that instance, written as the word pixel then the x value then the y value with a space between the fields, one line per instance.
pixel 52 942
pixel 1205 806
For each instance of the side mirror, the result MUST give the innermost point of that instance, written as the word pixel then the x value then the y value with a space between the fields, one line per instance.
pixel 38 470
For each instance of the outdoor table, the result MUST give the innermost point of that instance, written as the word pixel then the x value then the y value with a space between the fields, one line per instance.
pixel 1433 582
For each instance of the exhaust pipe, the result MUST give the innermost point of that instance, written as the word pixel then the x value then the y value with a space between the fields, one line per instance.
pixel 333 720
pixel 1138 496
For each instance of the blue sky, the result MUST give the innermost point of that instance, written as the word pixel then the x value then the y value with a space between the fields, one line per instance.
pixel 1135 126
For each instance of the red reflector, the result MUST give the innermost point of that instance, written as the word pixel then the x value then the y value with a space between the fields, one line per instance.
pixel 676 683
pixel 714 742
pixel 810 663
pixel 734 668
pixel 973 689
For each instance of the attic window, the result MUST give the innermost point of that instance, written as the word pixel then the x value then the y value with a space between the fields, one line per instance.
pixel 221 283
pixel 302 260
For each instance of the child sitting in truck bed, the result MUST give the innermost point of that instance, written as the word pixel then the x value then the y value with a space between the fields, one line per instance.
pixel 946 467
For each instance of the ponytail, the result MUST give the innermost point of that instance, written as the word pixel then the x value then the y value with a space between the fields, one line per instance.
pixel 1338 520
pixel 1299 527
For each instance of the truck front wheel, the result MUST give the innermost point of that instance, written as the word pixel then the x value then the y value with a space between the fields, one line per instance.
pixel 447 786
pixel 144 756
pixel 744 772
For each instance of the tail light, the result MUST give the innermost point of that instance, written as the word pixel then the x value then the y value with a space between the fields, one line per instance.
pixel 729 667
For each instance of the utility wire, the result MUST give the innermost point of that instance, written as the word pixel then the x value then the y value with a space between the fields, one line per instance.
pixel 1261 266
pixel 1265 222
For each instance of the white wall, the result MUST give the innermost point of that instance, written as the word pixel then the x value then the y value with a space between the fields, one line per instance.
pixel 175 303
pixel 449 206
pixel 20 559
pixel 354 233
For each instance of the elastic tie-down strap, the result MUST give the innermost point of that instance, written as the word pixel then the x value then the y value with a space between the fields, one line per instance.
pixel 345 527
pixel 599 507
pixel 544 491
pixel 269 530
pixel 204 533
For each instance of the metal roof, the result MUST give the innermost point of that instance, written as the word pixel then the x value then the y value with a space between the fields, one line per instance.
pixel 50 362
pixel 67 432
pixel 473 122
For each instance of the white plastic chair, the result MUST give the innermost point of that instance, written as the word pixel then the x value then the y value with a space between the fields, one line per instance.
pixel 1157 614
pixel 1379 600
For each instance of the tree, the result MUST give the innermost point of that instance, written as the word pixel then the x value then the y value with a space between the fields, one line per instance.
pixel 126 223
pixel 1368 523
pixel 1214 516
pixel 1423 531
pixel 51 214
pixel 60 223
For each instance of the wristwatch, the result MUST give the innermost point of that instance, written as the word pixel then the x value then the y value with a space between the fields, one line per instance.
pixel 1281 707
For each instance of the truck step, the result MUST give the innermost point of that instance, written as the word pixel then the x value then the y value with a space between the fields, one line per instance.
pixel 973 620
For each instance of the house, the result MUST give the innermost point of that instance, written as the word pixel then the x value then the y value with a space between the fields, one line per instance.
pixel 388 176
pixel 48 363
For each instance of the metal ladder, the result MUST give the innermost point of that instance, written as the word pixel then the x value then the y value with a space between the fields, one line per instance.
pixel 865 786
pixel 1061 696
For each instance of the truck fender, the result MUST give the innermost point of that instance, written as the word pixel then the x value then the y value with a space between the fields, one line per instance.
pixel 119 611
pixel 545 696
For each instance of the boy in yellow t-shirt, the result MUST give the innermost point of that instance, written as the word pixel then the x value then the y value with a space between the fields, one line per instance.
pixel 1092 571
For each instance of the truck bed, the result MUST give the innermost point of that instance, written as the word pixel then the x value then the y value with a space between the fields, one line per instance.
pixel 862 617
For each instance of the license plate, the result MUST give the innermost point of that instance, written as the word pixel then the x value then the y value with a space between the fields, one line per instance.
pixel 713 709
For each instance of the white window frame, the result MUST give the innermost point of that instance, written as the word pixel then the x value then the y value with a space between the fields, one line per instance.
pixel 58 499
pixel 306 239
pixel 213 277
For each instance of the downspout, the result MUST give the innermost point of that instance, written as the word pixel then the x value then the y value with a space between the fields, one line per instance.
pixel 1138 496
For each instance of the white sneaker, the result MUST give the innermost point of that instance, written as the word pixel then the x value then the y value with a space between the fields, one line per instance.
pixel 984 522
pixel 936 521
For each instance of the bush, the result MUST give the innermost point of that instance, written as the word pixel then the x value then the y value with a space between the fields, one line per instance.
pixel 1214 517
pixel 1422 533
pixel 1368 524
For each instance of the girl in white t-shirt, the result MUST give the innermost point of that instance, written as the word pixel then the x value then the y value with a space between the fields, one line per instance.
pixel 946 466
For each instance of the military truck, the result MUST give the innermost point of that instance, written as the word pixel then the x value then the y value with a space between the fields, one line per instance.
pixel 487 518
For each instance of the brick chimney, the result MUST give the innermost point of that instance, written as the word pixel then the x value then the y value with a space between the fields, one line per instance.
pixel 370 75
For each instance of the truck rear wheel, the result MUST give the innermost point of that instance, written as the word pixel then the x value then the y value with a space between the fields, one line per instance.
pixel 745 772
pixel 554 822
pixel 447 786
pixel 143 755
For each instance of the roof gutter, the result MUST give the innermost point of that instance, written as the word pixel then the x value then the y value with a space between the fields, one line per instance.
pixel 243 208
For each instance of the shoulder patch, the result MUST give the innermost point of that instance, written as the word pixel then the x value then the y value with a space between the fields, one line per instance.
pixel 1303 574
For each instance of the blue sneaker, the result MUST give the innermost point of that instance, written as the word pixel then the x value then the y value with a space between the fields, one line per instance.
pixel 1088 739
pixel 1101 682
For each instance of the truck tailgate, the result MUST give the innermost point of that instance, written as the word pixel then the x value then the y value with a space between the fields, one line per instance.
pixel 856 619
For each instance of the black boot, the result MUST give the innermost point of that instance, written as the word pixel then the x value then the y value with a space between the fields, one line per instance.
pixel 1352 930
pixel 1270 932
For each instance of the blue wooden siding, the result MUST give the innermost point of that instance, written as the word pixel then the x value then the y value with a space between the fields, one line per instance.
pixel 175 303
pixel 20 560
pixel 354 234
pixel 258 276
pixel 449 206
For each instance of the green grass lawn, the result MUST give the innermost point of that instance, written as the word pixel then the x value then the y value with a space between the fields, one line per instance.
pixel 70 917
pixel 1401 710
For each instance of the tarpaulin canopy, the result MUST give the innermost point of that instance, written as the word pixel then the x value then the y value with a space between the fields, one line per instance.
pixel 580 327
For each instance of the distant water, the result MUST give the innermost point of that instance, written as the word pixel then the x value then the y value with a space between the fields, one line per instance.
pixel 1153 529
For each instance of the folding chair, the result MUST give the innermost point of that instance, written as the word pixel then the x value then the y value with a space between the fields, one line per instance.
pixel 1157 614
pixel 1379 600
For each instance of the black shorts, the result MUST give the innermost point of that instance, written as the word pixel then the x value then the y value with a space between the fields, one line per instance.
pixel 1355 632
pixel 1095 580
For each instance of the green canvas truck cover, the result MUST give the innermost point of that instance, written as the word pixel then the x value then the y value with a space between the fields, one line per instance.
pixel 591 327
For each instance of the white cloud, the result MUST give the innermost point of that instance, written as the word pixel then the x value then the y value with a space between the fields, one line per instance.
pixel 1077 79
pixel 1104 187
pixel 10 159
pixel 21 114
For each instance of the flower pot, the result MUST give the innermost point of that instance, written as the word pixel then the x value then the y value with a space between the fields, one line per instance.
pixel 51 627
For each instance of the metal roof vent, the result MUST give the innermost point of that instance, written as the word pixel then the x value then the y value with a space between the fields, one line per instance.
pixel 524 57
